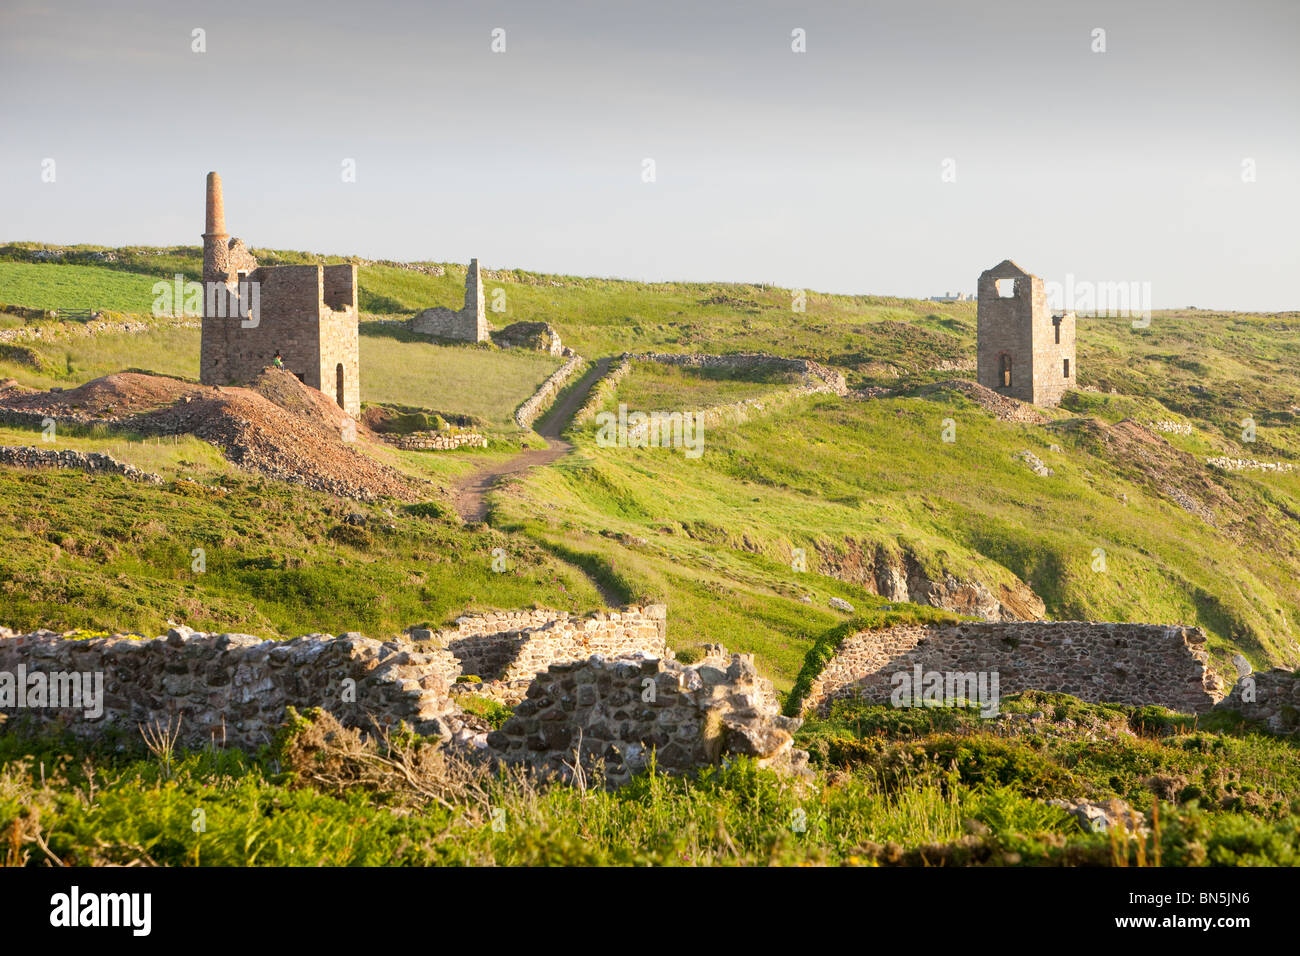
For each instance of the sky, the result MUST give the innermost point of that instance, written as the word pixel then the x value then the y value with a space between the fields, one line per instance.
pixel 909 147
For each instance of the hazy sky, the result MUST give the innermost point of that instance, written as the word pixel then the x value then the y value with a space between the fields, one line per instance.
pixel 818 170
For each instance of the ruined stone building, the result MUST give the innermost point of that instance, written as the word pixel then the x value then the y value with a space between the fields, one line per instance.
pixel 1024 351
pixel 468 324
pixel 306 313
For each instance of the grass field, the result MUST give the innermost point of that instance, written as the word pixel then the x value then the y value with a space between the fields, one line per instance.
pixel 485 383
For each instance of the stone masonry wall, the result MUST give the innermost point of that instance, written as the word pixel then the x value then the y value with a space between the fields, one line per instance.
pixel 1132 664
pixel 1272 697
pixel 29 456
pixel 508 651
pixel 540 400
pixel 233 688
pixel 437 441
pixel 614 713
pixel 467 324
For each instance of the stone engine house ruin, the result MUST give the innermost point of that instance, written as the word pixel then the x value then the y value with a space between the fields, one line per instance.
pixel 468 324
pixel 1024 350
pixel 306 313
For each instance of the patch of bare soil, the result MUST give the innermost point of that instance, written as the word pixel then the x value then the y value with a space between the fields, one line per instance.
pixel 278 427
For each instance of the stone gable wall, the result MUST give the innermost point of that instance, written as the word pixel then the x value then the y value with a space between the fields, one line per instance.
pixel 466 324
pixel 1132 664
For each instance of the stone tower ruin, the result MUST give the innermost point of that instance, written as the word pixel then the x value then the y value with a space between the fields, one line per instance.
pixel 1024 351
pixel 468 324
pixel 306 313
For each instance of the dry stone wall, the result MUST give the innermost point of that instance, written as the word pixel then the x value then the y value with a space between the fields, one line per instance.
pixel 437 441
pixel 29 456
pixel 612 715
pixel 1132 664
pixel 540 400
pixel 1272 697
pixel 232 689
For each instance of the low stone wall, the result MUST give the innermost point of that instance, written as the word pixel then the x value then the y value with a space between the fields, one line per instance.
pixel 29 456
pixel 614 713
pixel 53 331
pixel 1272 697
pixel 1226 463
pixel 534 406
pixel 818 377
pixel 1132 664
pixel 437 441
pixel 232 689
pixel 601 391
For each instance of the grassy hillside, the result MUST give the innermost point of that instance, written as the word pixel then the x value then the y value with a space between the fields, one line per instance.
pixel 837 477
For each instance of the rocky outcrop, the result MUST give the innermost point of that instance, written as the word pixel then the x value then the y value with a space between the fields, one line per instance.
pixel 901 577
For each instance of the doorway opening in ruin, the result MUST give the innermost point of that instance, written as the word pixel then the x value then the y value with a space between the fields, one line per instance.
pixel 338 383
pixel 1004 372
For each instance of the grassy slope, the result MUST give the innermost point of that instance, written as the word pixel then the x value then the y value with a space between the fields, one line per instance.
pixel 717 532
pixel 106 553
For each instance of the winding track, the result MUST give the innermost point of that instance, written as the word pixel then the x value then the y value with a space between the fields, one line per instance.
pixel 470 493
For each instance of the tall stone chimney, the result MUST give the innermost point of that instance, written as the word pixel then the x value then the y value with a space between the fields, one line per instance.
pixel 215 246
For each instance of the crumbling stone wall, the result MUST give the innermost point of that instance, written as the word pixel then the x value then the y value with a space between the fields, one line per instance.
pixel 1132 664
pixel 507 651
pixel 467 324
pixel 1272 697
pixel 28 456
pixel 540 400
pixel 614 713
pixel 232 689
pixel 536 336
pixel 1021 328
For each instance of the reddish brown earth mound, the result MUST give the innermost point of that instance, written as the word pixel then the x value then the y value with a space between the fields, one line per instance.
pixel 278 427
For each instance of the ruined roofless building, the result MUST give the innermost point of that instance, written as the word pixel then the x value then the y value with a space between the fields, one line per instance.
pixel 306 313
pixel 468 324
pixel 1024 351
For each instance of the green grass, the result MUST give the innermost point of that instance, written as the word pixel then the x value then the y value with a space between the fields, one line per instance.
pixel 74 287
pixel 655 387
pixel 109 554
pixel 486 383
pixel 172 456
pixel 886 791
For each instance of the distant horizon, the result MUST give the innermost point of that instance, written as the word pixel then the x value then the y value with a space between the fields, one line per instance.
pixel 971 296
pixel 898 148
